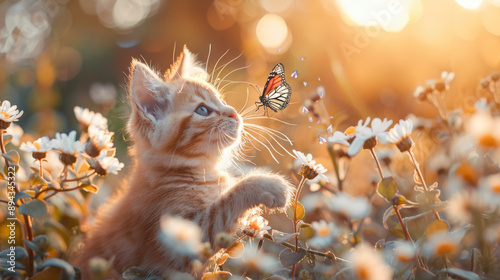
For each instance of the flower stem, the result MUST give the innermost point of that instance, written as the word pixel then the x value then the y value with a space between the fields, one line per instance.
pixel 28 232
pixel 379 167
pixel 40 172
pixel 407 234
pixel 299 189
pixel 335 165
pixel 417 168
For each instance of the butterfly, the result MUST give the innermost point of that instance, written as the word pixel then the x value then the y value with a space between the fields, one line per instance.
pixel 276 93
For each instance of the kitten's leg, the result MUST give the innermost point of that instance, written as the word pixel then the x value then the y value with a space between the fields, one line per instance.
pixel 223 214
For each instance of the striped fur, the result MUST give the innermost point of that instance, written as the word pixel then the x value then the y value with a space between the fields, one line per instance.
pixel 177 155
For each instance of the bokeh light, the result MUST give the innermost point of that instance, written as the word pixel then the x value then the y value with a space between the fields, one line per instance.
pixel 392 16
pixel 272 31
pixel 470 4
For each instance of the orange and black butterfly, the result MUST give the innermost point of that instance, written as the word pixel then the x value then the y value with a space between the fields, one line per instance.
pixel 277 92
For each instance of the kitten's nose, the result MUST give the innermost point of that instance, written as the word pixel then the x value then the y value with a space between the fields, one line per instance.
pixel 233 115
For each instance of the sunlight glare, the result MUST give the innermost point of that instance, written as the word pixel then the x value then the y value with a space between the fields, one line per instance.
pixel 470 4
pixel 390 15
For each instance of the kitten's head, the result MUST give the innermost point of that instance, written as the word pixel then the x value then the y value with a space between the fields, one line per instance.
pixel 180 113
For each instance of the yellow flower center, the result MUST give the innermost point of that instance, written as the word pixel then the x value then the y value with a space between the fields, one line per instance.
pixel 254 226
pixel 37 145
pixel 5 115
pixel 350 130
pixel 363 272
pixel 496 188
pixel 467 173
pixel 445 248
pixel 404 258
pixel 323 231
pixel 488 141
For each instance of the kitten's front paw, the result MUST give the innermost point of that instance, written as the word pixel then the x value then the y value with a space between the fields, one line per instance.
pixel 270 190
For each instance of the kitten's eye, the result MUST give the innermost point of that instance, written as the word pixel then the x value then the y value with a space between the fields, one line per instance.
pixel 202 110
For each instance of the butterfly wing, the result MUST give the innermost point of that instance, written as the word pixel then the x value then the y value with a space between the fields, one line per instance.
pixel 275 78
pixel 277 92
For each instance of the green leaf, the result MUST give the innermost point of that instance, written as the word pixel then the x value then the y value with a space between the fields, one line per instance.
pixel 66 267
pixel 7 138
pixel 387 188
pixel 306 233
pixel 12 156
pixel 236 250
pixel 387 214
pixel 288 258
pixel 423 274
pixel 436 226
pixel 280 237
pixel 20 195
pixel 301 212
pixel 89 188
pixel 35 208
pixel 35 180
pixel 463 274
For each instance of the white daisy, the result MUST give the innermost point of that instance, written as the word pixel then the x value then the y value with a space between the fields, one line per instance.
pixel 489 189
pixel 67 143
pixel 324 234
pixel 86 118
pixel 99 139
pixel 368 264
pixel 339 137
pixel 316 170
pixel 181 237
pixel 107 164
pixel 442 244
pixel 484 128
pixel 364 133
pixel 400 135
pixel 8 114
pixel 460 206
pixel 352 207
pixel 41 145
pixel 17 133
pixel 258 260
pixel 256 226
pixel 405 251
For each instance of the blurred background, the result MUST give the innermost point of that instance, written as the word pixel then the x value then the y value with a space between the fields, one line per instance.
pixel 369 55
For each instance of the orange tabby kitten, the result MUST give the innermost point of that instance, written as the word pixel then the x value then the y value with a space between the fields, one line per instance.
pixel 180 127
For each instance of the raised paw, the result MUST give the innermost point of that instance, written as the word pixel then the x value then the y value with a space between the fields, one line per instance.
pixel 271 190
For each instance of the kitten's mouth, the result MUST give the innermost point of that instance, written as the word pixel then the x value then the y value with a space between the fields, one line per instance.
pixel 230 131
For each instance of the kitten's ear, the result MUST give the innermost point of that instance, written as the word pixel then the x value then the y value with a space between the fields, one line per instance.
pixel 186 66
pixel 150 95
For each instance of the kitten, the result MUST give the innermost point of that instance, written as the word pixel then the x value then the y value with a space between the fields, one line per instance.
pixel 180 127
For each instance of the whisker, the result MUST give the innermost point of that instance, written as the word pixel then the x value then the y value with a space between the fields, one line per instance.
pixel 277 142
pixel 231 72
pixel 224 67
pixel 215 66
pixel 270 144
pixel 272 131
pixel 208 57
pixel 245 133
pixel 271 118
pixel 263 144
pixel 246 101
